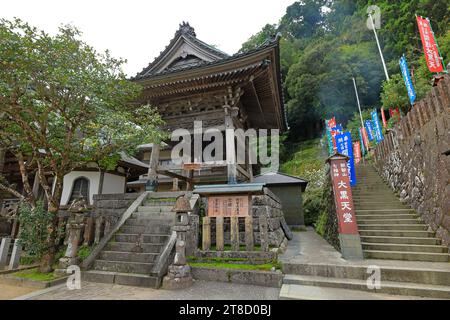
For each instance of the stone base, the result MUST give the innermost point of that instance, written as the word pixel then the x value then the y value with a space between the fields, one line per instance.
pixel 179 277
pixel 351 247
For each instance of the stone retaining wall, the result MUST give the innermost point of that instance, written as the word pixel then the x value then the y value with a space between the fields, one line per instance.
pixel 414 158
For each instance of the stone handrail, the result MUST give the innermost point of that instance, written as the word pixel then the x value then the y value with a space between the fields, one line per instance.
pixel 166 256
pixel 131 209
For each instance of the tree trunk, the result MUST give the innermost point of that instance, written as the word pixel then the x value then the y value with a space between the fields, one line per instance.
pixel 47 260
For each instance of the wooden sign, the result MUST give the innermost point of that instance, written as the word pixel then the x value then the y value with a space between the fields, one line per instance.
pixel 228 206
pixel 343 197
pixel 192 166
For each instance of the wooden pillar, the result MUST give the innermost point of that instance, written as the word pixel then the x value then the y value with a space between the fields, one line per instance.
pixel 219 234
pixel 248 164
pixel 153 166
pixel 206 234
pixel 230 145
pixel 2 159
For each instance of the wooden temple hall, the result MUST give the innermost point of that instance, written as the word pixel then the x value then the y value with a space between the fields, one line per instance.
pixel 193 81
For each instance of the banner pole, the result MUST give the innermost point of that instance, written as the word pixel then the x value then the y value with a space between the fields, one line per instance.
pixel 359 106
pixel 379 48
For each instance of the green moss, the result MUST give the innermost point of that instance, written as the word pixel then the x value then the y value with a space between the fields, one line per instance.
pixel 84 252
pixel 321 223
pixel 261 267
pixel 34 274
pixel 28 260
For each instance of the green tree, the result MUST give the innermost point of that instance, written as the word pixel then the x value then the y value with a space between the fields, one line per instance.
pixel 63 105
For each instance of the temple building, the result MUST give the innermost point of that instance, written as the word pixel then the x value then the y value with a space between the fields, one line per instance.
pixel 193 81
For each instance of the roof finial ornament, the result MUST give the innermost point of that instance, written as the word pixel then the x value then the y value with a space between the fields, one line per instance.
pixel 185 28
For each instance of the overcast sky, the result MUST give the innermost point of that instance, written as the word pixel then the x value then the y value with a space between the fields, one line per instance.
pixel 138 30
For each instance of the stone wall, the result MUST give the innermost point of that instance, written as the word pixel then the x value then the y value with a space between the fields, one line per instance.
pixel 414 158
pixel 330 229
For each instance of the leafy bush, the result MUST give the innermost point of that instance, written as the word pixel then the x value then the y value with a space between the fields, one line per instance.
pixel 312 205
pixel 34 229
pixel 321 223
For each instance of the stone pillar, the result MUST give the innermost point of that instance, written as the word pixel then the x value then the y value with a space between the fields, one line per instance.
pixel 175 186
pixel 152 182
pixel 4 250
pixel 249 242
pixel 15 256
pixel 219 234
pixel 89 231
pixel 98 229
pixel 70 257
pixel 234 233
pixel 206 234
pixel 264 233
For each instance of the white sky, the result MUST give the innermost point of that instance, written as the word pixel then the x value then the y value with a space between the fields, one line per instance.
pixel 138 30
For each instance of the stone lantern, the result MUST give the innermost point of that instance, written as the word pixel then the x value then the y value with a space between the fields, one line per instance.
pixel 179 275
pixel 74 228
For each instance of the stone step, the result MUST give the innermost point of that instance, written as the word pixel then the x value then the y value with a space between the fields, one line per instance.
pixel 387 287
pixel 165 195
pixel 421 275
pixel 155 209
pixel 389 215
pixel 380 206
pixel 364 221
pixel 411 256
pixel 160 229
pixel 374 197
pixel 401 240
pixel 160 220
pixel 404 247
pixel 384 211
pixel 397 233
pixel 381 201
pixel 153 215
pixel 147 238
pixel 128 256
pixel 126 279
pixel 131 247
pixel 396 227
pixel 297 292
pixel 158 203
pixel 123 266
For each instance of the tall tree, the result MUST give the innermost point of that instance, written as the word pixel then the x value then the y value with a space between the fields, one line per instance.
pixel 63 105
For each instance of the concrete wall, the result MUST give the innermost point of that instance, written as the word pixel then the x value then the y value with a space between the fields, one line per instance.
pixel 414 159
pixel 94 181
pixel 113 184
pixel 292 203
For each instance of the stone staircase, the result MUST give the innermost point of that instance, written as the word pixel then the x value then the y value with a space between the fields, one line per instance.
pixel 129 258
pixel 318 281
pixel 388 228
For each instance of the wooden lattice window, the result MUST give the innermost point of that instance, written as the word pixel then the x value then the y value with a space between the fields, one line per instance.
pixel 80 189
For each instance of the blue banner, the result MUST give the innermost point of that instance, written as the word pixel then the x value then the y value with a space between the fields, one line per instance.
pixel 363 149
pixel 407 79
pixel 369 129
pixel 345 146
pixel 377 125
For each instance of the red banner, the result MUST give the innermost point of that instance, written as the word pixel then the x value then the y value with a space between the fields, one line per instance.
pixel 394 112
pixel 343 197
pixel 331 123
pixel 357 152
pixel 365 138
pixel 430 49
pixel 383 117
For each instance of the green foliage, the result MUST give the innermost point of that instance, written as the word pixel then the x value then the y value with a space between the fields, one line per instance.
pixel 326 43
pixel 84 252
pixel 321 223
pixel 34 274
pixel 34 228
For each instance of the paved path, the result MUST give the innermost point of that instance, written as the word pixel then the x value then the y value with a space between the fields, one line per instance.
pixel 201 290
pixel 10 292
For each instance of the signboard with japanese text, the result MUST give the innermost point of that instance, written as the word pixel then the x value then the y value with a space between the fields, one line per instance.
pixel 369 129
pixel 357 152
pixel 377 126
pixel 407 79
pixel 343 197
pixel 228 206
pixel 429 44
pixel 345 147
